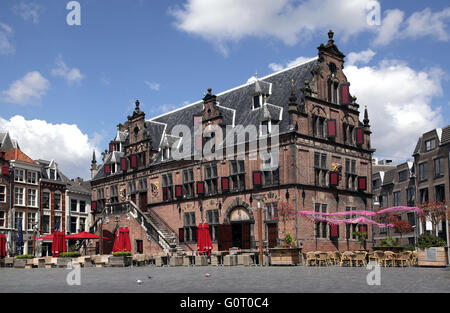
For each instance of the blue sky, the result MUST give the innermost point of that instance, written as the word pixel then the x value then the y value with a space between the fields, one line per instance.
pixel 63 89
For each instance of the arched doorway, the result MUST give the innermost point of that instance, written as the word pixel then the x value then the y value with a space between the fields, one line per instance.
pixel 236 230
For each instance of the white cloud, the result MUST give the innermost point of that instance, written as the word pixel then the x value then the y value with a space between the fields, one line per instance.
pixel 6 47
pixel 399 104
pixel 28 11
pixel 152 86
pixel 420 24
pixel 66 144
pixel 72 76
pixel 221 21
pixel 427 23
pixel 278 67
pixel 362 57
pixel 27 90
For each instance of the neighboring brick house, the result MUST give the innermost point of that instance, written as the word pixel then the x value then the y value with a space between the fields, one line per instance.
pixel 431 158
pixel 4 195
pixel 319 131
pixel 78 204
pixel 52 202
pixel 395 186
pixel 25 199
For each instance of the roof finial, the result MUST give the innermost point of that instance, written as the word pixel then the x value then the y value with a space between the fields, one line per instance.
pixel 256 74
pixel 330 35
pixel 366 117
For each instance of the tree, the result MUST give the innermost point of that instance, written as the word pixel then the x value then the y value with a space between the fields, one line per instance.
pixel 435 212
pixel 285 212
pixel 402 226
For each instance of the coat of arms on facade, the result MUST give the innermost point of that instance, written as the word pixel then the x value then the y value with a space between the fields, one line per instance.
pixel 155 189
pixel 123 194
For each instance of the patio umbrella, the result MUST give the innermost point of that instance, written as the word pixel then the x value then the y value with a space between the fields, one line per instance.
pixel 46 237
pixel 83 235
pixel 126 240
pixel 19 237
pixel 62 242
pixel 2 245
pixel 200 239
pixel 55 244
pixel 116 246
pixel 208 243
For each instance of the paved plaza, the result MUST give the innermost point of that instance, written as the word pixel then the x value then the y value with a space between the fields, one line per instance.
pixel 296 279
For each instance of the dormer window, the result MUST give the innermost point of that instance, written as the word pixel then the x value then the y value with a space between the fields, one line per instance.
pixel 52 174
pixel 257 101
pixel 319 126
pixel 430 145
pixel 166 154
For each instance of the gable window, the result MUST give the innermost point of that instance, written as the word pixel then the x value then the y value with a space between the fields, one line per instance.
pixel 348 134
pixel 166 154
pixel 211 179
pixel 423 171
pixel 188 183
pixel 376 183
pixel 46 200
pixel 237 174
pixel 430 145
pixel 350 174
pixel 318 127
pixel 52 174
pixel 270 172
pixel 438 167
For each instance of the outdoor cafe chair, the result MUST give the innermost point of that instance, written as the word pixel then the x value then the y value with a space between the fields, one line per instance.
pixel 330 258
pixel 360 258
pixel 379 257
pixel 389 258
pixel 404 258
pixel 347 257
pixel 311 258
pixel 413 258
pixel 322 258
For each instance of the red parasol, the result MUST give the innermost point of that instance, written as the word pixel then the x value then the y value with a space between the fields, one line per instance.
pixel 200 239
pixel 116 241
pixel 126 240
pixel 2 245
pixel 207 239
pixel 83 235
pixel 46 237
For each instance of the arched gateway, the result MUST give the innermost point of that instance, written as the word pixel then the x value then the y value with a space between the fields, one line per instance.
pixel 237 228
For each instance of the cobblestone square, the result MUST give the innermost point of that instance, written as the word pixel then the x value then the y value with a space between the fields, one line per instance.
pixel 298 279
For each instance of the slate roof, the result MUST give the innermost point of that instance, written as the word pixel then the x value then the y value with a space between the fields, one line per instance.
pixel 6 142
pixel 78 187
pixel 389 177
pixel 445 139
pixel 236 106
pixel 443 135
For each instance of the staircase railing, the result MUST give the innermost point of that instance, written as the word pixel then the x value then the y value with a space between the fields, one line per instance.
pixel 148 225
pixel 160 220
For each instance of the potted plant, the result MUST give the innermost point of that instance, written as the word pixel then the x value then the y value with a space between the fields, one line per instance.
pixel 432 251
pixel 121 258
pixel 286 254
pixel 389 244
pixel 66 257
pixel 362 237
pixel 20 261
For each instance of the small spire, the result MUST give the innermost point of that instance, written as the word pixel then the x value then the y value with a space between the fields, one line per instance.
pixel 256 74
pixel 94 159
pixel 366 117
pixel 331 35
pixel 293 97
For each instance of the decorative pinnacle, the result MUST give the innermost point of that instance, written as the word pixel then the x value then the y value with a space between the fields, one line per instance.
pixel 137 103
pixel 330 35
pixel 256 74
pixel 366 117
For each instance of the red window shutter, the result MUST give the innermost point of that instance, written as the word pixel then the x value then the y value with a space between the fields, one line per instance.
pixel 345 94
pixel 257 179
pixel 111 147
pixel 94 206
pixel 331 128
pixel 181 234
pixel 359 136
pixel 363 228
pixel 200 188
pixel 179 191
pixel 165 194
pixel 107 169
pixel 362 183
pixel 5 170
pixel 334 179
pixel 334 233
pixel 133 161
pixel 123 164
pixel 225 184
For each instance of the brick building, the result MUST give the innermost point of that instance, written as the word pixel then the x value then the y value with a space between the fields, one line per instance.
pixel 424 179
pixel 4 195
pixel 312 126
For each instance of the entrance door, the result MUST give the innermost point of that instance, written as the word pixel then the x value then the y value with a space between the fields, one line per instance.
pixel 143 201
pixel 272 235
pixel 224 237
pixel 237 235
